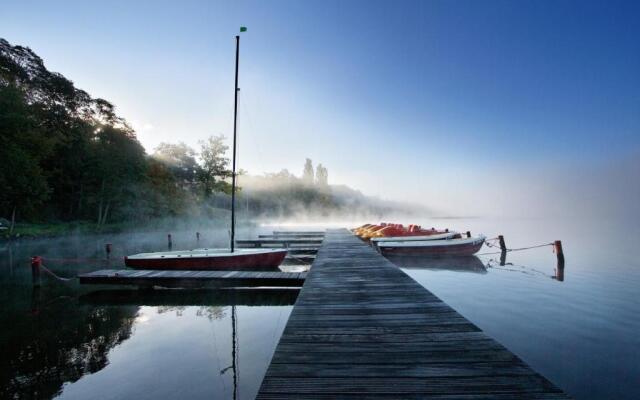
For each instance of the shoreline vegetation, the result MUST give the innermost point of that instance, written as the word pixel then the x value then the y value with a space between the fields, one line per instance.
pixel 71 164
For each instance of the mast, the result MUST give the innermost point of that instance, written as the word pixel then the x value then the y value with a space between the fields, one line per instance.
pixel 233 174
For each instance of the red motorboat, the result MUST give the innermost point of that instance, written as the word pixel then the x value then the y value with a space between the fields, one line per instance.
pixel 208 259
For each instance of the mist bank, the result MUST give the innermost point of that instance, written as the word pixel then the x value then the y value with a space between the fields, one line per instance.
pixel 284 197
pixel 581 189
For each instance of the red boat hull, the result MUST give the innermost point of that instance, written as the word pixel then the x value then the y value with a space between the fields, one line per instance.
pixel 444 250
pixel 201 263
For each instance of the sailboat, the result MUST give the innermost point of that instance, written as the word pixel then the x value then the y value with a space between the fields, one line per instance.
pixel 213 259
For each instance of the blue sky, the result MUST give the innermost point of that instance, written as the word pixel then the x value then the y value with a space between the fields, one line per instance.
pixel 427 100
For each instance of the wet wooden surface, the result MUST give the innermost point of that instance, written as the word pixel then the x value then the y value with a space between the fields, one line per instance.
pixel 362 328
pixel 281 242
pixel 194 278
pixel 292 236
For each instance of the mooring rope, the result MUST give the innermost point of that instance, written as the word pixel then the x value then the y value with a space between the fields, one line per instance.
pixel 519 248
pixel 74 260
pixel 53 274
pixel 531 247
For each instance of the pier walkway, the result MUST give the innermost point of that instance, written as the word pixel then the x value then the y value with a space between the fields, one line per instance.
pixel 362 328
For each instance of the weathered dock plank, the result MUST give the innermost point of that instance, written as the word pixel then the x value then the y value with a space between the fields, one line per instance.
pixel 316 233
pixel 292 236
pixel 283 242
pixel 362 328
pixel 218 279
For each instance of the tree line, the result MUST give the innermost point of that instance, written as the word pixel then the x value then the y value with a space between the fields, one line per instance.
pixel 68 156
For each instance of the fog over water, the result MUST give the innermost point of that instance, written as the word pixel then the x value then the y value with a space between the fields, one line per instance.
pixel 585 189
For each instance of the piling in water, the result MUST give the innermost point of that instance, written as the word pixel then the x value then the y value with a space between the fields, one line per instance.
pixel 107 249
pixel 557 248
pixel 169 242
pixel 36 263
pixel 559 273
pixel 503 246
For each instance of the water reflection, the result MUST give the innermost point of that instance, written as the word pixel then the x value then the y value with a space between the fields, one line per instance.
pixel 473 264
pixel 461 264
pixel 185 297
pixel 65 340
pixel 40 354
pixel 217 305
pixel 503 265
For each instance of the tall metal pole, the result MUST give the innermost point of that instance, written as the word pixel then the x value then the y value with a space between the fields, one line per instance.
pixel 233 176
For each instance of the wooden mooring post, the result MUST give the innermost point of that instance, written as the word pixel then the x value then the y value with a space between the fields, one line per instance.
pixel 559 273
pixel 107 249
pixel 36 263
pixel 557 248
pixel 169 242
pixel 503 258
pixel 503 246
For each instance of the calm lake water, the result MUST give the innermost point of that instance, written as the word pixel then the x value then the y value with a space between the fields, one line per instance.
pixel 71 342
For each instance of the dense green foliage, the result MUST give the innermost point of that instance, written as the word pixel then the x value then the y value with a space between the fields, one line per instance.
pixel 67 156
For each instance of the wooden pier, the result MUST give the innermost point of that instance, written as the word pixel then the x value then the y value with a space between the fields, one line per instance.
pixel 362 328
pixel 216 279
pixel 281 242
